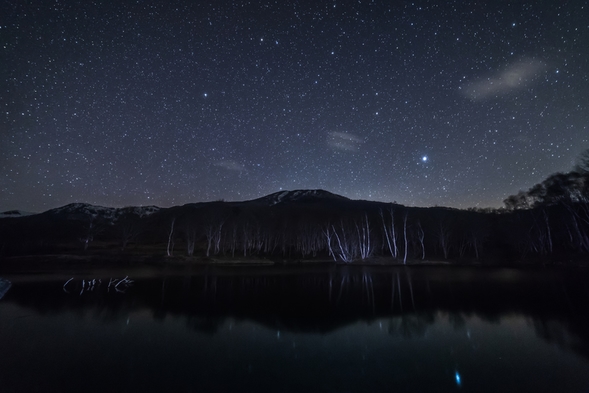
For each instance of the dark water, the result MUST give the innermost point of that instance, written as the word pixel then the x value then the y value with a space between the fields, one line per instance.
pixel 276 330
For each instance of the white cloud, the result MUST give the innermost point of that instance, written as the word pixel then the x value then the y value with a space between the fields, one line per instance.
pixel 343 141
pixel 515 76
pixel 231 165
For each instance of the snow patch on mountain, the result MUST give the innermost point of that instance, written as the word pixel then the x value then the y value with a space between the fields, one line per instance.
pixel 299 196
pixel 15 213
pixel 86 211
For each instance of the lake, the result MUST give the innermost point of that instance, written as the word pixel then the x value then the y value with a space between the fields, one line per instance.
pixel 296 329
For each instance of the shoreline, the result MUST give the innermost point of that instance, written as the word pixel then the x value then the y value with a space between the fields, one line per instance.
pixel 55 263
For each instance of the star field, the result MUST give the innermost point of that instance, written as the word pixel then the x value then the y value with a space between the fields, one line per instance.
pixel 423 103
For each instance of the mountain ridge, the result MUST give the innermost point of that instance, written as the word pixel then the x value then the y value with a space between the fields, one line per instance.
pixel 81 209
pixel 301 195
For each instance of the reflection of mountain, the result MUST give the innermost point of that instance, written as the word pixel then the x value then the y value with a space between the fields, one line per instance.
pixel 325 299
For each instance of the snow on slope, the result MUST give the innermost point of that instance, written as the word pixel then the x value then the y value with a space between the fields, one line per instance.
pixel 87 211
pixel 15 213
pixel 298 196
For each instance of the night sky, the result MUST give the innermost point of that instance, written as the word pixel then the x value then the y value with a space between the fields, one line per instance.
pixel 425 103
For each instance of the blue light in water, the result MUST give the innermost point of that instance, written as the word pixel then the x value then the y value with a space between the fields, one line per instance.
pixel 457 377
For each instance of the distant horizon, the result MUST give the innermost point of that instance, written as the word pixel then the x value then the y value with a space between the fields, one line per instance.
pixel 3 210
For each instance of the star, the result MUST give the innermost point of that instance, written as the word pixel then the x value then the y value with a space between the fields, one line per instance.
pixel 187 103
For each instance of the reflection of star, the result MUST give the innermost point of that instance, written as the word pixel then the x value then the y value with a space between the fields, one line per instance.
pixel 424 158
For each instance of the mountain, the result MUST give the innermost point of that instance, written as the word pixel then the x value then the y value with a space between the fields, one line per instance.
pixel 15 213
pixel 298 196
pixel 88 212
pixel 289 225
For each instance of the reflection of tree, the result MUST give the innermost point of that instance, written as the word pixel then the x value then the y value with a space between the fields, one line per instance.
pixel 397 291
pixel 570 335
pixel 208 325
pixel 411 325
pixel 322 300
pixel 457 321
pixel 551 331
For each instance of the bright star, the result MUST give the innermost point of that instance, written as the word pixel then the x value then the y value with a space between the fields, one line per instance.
pixel 424 158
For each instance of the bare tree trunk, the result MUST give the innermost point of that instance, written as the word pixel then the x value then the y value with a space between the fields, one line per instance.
pixel 475 244
pixel 328 236
pixel 444 238
pixel 217 238
pixel 190 239
pixel 170 249
pixel 405 236
pixel 548 232
pixel 421 236
pixel 364 240
pixel 390 233
pixel 345 247
pixel 209 235
pixel 88 237
pixel 463 246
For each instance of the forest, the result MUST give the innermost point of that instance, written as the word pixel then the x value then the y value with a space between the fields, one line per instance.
pixel 547 224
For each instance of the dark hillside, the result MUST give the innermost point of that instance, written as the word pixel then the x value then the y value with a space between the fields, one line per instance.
pixel 307 225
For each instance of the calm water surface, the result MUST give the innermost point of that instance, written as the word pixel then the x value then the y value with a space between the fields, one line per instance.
pixel 327 329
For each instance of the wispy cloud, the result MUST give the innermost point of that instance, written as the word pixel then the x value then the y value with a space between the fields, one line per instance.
pixel 343 141
pixel 515 76
pixel 231 166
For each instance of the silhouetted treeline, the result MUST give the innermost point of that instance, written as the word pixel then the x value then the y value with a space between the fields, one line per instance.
pixel 549 223
pixel 331 229
pixel 553 216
